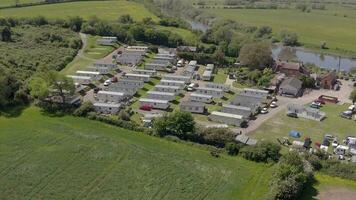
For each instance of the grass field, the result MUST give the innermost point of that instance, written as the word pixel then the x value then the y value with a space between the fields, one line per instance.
pixel 312 28
pixel 4 3
pixel 94 50
pixel 187 35
pixel 45 157
pixel 109 10
pixel 280 126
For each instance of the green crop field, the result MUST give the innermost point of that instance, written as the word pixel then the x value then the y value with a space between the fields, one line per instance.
pixel 108 10
pixel 312 28
pixel 47 157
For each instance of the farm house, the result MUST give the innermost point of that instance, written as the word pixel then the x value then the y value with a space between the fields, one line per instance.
pixel 186 79
pixel 106 108
pixel 85 80
pixel 137 77
pixel 145 71
pixel 133 83
pixel 207 75
pixel 237 110
pixel 216 93
pixel 165 88
pixel 154 103
pixel 161 95
pixel 180 84
pixel 201 97
pixel 226 118
pixel 93 75
pixel 110 97
pixel 193 107
pixel 225 88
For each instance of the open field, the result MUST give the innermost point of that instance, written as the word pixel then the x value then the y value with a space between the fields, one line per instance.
pixel 4 3
pixel 280 125
pixel 108 10
pixel 187 35
pixel 312 28
pixel 44 157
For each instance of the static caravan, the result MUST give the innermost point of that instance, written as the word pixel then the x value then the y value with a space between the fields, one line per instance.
pixel 101 70
pixel 209 67
pixel 127 82
pixel 145 71
pixel 255 92
pixel 225 88
pixel 180 84
pixel 138 48
pixel 189 71
pixel 207 75
pixel 84 80
pixel 193 63
pixel 165 88
pixel 129 58
pixel 201 97
pixel 128 90
pixel 156 66
pixel 246 112
pixel 137 77
pixel 216 93
pixel 226 118
pixel 110 66
pixel 107 41
pixel 170 96
pixel 111 97
pixel 107 108
pixel 155 103
pixel 93 75
pixel 193 107
pixel 167 55
pixel 186 79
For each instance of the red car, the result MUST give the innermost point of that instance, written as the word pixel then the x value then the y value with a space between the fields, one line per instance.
pixel 146 107
pixel 320 101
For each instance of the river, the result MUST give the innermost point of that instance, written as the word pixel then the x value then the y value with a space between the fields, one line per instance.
pixel 320 60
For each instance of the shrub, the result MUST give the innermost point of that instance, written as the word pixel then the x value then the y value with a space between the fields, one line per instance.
pixel 262 152
pixel 233 148
pixel 84 109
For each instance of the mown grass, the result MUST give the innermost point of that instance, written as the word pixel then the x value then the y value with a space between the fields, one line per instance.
pixel 94 50
pixel 44 157
pixel 312 28
pixel 108 10
pixel 4 3
pixel 280 126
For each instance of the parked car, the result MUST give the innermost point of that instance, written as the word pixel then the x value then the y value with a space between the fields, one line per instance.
pixel 107 82
pixel 146 107
pixel 114 79
pixel 322 102
pixel 346 114
pixel 315 105
pixel 96 90
pixel 273 104
pixel 292 114
pixel 264 111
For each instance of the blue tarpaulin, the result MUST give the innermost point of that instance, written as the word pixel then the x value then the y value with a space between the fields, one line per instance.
pixel 294 134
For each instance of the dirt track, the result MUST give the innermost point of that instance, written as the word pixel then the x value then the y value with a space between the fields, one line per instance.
pixel 335 193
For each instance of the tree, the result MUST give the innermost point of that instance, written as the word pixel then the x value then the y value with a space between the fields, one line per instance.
pixel 6 34
pixel 256 55
pixel 126 19
pixel 147 21
pixel 264 31
pixel 75 23
pixel 353 96
pixel 308 82
pixel 289 38
pixel 262 152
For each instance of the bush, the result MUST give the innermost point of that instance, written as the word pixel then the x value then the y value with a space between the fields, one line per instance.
pixel 342 170
pixel 262 152
pixel 233 148
pixel 84 109
pixel 215 136
pixel 123 115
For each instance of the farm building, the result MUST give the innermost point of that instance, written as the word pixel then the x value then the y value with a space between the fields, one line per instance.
pixel 110 96
pixel 180 84
pixel 107 41
pixel 155 103
pixel 248 100
pixel 237 110
pixel 207 75
pixel 327 81
pixel 225 88
pixel 165 88
pixel 145 71
pixel 129 57
pixel 101 70
pixel 161 95
pixel 255 92
pixel 106 108
pixel 193 107
pixel 200 97
pixel 137 84
pixel 156 66
pixel 306 112
pixel 108 65
pixel 226 118
pixel 93 75
pixel 137 77
pixel 291 87
pixel 85 80
pixel 186 79
pixel 216 93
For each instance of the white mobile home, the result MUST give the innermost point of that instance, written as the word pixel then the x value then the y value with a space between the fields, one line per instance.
pixel 193 63
pixel 156 66
pixel 127 82
pixel 226 118
pixel 106 108
pixel 207 75
pixel 180 84
pixel 145 71
pixel 137 77
pixel 138 48
pixel 237 110
pixel 169 96
pixel 165 88
pixel 129 58
pixel 85 80
pixel 216 93
pixel 101 70
pixel 110 66
pixel 201 97
pixel 107 41
pixel 128 90
pixel 155 103
pixel 193 107
pixel 186 79
pixel 110 96
pixel 255 92
pixel 209 67
pixel 93 75
pixel 225 88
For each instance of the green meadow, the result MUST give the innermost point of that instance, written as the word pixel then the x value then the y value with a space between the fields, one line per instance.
pixel 4 3
pixel 109 10
pixel 334 25
pixel 49 157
